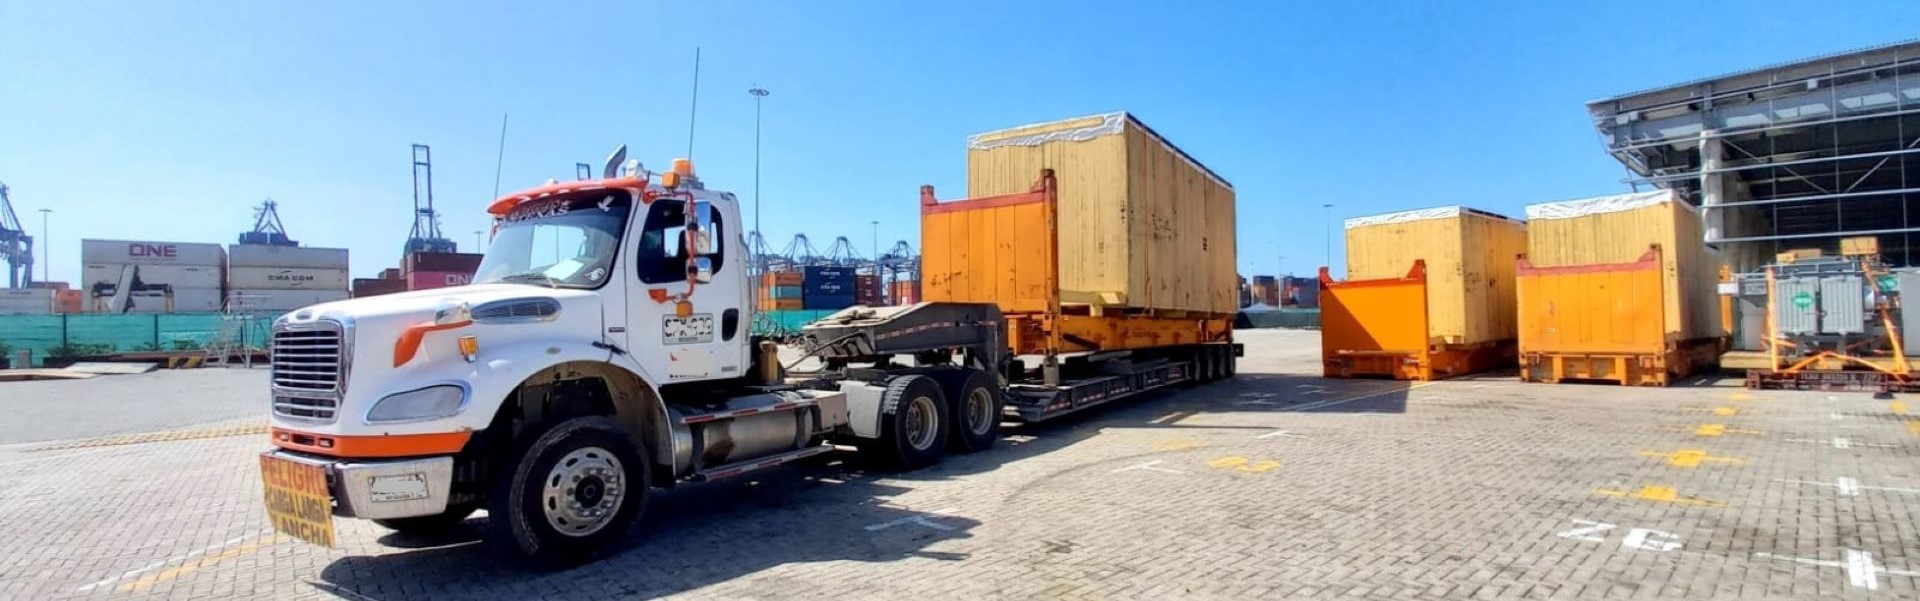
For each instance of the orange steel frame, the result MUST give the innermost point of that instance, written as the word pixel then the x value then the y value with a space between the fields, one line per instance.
pixel 1356 316
pixel 1664 358
pixel 1827 360
pixel 1051 332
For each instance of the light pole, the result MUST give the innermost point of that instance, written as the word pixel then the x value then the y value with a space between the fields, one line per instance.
pixel 1326 216
pixel 479 243
pixel 876 241
pixel 45 265
pixel 758 94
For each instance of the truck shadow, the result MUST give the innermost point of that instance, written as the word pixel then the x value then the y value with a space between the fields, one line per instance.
pixel 830 509
pixel 692 537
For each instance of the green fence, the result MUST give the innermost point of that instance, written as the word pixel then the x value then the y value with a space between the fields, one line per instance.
pixel 1285 317
pixel 89 333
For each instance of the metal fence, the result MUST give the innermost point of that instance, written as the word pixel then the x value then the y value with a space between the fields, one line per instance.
pixel 49 335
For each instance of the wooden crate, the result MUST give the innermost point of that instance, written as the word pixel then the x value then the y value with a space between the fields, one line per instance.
pixel 1469 257
pixel 1142 225
pixel 1620 230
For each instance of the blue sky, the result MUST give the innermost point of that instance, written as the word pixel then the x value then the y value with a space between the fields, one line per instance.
pixel 155 121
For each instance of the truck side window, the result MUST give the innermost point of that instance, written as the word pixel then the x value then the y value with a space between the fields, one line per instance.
pixel 662 257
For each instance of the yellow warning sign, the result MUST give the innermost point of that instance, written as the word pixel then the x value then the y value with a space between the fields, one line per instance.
pixel 297 499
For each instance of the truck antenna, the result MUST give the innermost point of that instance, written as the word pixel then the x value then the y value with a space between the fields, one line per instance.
pixel 694 112
pixel 500 156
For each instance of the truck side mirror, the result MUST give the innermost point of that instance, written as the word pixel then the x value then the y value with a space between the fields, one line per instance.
pixel 700 229
pixel 701 270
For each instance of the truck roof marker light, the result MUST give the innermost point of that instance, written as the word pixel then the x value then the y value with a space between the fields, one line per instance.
pixel 683 167
pixel 409 343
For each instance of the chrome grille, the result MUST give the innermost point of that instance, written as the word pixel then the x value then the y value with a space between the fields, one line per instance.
pixel 309 371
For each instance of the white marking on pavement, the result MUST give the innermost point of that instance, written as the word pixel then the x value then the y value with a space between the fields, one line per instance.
pixel 1861 571
pixel 1257 395
pixel 1330 403
pixel 1841 443
pixel 1586 531
pixel 164 562
pixel 1850 487
pixel 1315 392
pixel 1643 539
pixel 1255 403
pixel 1314 386
pixel 1278 434
pixel 1149 466
pixel 923 520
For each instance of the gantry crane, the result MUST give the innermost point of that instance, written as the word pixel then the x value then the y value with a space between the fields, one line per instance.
pixel 16 247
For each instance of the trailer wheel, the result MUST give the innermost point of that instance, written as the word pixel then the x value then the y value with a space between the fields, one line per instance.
pixel 977 402
pixel 1203 366
pixel 572 490
pixel 1231 362
pixel 913 423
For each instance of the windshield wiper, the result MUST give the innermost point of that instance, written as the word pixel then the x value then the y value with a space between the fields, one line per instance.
pixel 533 276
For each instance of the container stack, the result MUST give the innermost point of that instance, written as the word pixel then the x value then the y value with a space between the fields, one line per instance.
pixel 1266 290
pixel 26 301
pixel 128 276
pixel 427 270
pixel 903 291
pixel 1299 292
pixel 1429 294
pixel 867 290
pixel 826 288
pixel 1618 289
pixel 272 279
pixel 779 291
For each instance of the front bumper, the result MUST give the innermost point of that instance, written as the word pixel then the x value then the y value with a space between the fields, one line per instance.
pixel 382 489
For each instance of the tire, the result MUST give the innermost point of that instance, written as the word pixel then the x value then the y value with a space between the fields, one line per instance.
pixel 430 524
pixel 1232 363
pixel 1219 361
pixel 907 440
pixel 1203 366
pixel 609 475
pixel 976 402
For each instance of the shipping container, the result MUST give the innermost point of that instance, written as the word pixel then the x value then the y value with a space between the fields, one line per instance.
pixel 279 300
pixel 1266 290
pixel 1300 292
pixel 1141 224
pixel 177 300
pixel 1445 310
pixel 392 273
pixel 286 278
pixel 39 285
pixel 135 252
pixel 15 301
pixel 826 282
pixel 780 304
pixel 867 290
pixel 69 301
pixel 903 292
pixel 365 287
pixel 263 255
pixel 94 275
pixel 781 278
pixel 1618 288
pixel 826 301
pixel 428 280
pixel 441 262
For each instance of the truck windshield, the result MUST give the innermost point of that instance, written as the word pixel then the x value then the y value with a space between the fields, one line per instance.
pixel 565 242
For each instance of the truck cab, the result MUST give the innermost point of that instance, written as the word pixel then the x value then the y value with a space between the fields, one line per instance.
pixel 602 350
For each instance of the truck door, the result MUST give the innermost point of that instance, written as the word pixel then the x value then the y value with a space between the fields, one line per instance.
pixel 687 321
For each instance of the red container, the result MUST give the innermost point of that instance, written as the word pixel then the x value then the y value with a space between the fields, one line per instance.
pixel 866 290
pixel 903 292
pixel 391 273
pixel 428 280
pixel 377 286
pixel 442 262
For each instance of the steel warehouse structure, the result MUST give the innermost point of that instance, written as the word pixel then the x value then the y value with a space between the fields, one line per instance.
pixel 1789 156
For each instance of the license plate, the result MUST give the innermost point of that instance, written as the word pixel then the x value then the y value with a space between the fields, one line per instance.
pixel 297 499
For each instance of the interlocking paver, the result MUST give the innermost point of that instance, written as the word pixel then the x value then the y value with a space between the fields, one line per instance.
pixel 1378 490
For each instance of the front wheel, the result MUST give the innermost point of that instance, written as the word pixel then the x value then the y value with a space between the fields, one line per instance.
pixel 575 489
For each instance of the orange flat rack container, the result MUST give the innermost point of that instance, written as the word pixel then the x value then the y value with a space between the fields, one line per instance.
pixel 1382 328
pixel 1004 249
pixel 1603 322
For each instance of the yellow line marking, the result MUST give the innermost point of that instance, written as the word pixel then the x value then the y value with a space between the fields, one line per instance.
pixel 1913 427
pixel 1659 494
pixel 1692 458
pixel 1177 444
pixel 1722 430
pixel 1897 406
pixel 204 561
pixel 245 429
pixel 1725 411
pixel 1739 396
pixel 1244 465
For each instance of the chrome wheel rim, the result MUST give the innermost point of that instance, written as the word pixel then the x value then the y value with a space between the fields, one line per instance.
pixel 923 422
pixel 582 492
pixel 980 411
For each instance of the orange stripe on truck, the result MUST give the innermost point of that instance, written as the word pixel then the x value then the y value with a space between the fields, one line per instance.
pixel 409 343
pixel 368 447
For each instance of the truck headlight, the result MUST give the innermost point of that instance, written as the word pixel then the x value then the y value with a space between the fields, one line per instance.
pixel 432 402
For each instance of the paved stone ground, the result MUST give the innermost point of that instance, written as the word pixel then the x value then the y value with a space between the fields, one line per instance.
pixel 1275 484
pixel 43 410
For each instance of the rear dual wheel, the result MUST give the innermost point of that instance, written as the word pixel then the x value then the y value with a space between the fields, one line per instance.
pixel 977 403
pixel 914 424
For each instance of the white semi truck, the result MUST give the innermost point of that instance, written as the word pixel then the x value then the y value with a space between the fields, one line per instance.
pixel 604 350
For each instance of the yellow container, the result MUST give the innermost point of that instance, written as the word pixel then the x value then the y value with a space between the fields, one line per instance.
pixel 1620 229
pixel 1142 225
pixel 1469 256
